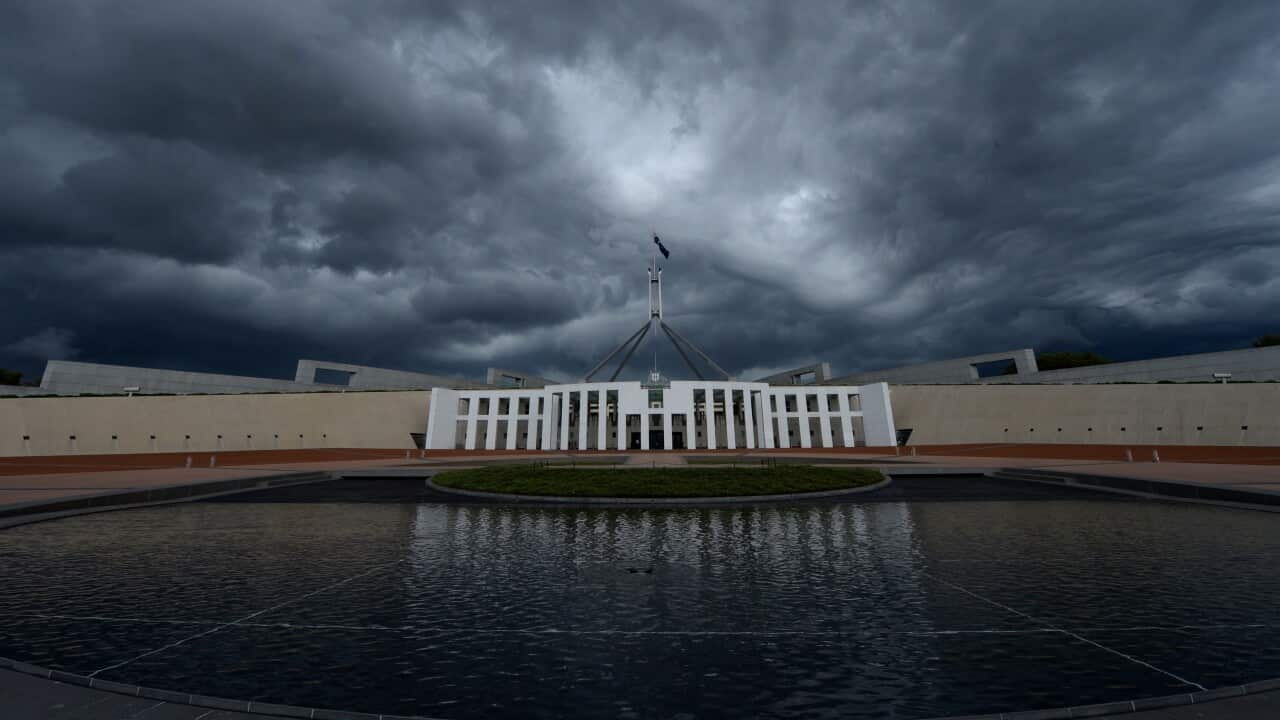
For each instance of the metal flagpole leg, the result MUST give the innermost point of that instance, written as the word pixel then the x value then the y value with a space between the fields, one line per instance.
pixel 617 350
pixel 680 350
pixel 629 352
pixel 694 348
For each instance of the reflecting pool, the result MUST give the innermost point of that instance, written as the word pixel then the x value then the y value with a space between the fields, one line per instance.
pixel 891 606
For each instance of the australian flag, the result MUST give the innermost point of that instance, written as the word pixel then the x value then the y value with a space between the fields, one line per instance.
pixel 661 248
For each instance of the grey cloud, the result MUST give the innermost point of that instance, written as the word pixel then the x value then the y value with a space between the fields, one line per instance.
pixel 410 184
pixel 48 344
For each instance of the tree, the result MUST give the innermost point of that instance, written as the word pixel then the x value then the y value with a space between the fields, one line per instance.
pixel 10 377
pixel 1062 360
pixel 1267 340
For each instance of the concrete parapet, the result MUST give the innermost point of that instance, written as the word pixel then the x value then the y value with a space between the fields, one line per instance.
pixel 1252 364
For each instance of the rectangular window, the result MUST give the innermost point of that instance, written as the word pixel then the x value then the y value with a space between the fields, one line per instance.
pixel 484 406
pixel 855 402
pixel 330 376
pixel 833 402
pixel 524 406
pixel 464 406
pixel 504 406
pixel 811 403
pixel 837 431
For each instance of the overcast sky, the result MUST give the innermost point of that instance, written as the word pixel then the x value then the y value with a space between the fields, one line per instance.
pixel 439 186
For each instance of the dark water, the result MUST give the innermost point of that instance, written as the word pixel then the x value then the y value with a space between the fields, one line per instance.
pixel 902 609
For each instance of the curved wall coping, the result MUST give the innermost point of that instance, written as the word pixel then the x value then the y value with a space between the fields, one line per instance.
pixel 650 502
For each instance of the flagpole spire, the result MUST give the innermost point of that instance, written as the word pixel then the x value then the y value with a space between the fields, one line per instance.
pixel 655 288
pixel 680 342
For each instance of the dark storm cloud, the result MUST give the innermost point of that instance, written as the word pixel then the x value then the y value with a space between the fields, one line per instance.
pixel 230 185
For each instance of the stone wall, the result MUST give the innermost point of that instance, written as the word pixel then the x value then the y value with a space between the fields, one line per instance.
pixel 1210 414
pixel 140 424
pixel 1233 414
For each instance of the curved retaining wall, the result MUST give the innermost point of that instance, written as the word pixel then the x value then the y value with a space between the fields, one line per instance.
pixel 652 502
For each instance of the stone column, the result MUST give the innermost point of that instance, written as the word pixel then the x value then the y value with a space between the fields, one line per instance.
pixel 602 415
pixel 802 406
pixel 548 412
pixel 766 419
pixel 584 412
pixel 470 443
pixel 711 418
pixel 846 422
pixel 730 432
pixel 491 435
pixel 824 420
pixel 564 420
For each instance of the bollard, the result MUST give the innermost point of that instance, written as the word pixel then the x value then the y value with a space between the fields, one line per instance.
pixel 188 462
pixel 1128 455
pixel 406 454
pixel 913 452
pixel 1155 455
pixel 213 461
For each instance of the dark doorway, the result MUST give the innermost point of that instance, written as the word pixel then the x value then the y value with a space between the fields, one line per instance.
pixel 635 441
pixel 655 439
pixel 677 441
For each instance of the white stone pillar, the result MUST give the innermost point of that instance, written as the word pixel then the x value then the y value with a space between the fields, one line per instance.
pixel 644 431
pixel 690 431
pixel 824 420
pixel 802 406
pixel 491 432
pixel 564 421
pixel 602 421
pixel 513 408
pixel 584 412
pixel 730 432
pixel 748 418
pixel 766 418
pixel 666 430
pixel 784 423
pixel 442 423
pixel 877 416
pixel 846 422
pixel 711 418
pixel 548 412
pixel 470 443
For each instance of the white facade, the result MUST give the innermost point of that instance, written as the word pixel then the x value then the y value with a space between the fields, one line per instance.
pixel 688 415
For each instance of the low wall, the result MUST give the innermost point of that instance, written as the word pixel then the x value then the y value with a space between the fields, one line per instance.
pixel 193 423
pixel 1153 414
pixel 1233 414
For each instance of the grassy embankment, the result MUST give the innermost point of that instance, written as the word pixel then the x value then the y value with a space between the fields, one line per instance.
pixel 670 482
